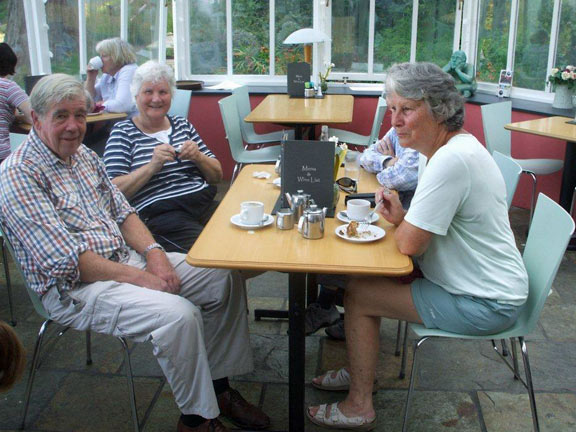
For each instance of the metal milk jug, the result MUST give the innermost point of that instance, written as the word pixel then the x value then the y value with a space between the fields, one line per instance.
pixel 299 203
pixel 311 223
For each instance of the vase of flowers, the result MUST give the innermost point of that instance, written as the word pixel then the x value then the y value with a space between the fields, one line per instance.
pixel 563 81
pixel 324 76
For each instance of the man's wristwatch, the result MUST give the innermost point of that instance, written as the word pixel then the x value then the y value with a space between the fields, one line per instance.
pixel 152 246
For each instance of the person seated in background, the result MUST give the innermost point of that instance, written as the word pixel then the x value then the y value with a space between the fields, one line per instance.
pixel 96 267
pixel 457 230
pixel 112 90
pixel 396 168
pixel 161 164
pixel 463 73
pixel 12 357
pixel 12 98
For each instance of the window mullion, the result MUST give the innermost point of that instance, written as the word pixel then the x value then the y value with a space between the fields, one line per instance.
pixel 229 48
pixel 457 25
pixel 554 34
pixel 163 30
pixel 371 30
pixel 37 33
pixel 82 53
pixel 181 26
pixel 272 38
pixel 470 25
pixel 414 38
pixel 124 20
pixel 512 36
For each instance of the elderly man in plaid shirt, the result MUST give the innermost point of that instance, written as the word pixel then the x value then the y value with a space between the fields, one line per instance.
pixel 96 266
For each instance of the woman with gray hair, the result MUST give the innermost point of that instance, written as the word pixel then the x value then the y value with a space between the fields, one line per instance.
pixel 161 164
pixel 117 60
pixel 457 230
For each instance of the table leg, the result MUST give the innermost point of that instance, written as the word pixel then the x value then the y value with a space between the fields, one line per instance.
pixel 298 132
pixel 297 351
pixel 569 182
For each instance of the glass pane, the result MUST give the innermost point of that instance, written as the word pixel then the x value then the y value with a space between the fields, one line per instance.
pixel 250 37
pixel 291 15
pixel 102 22
pixel 15 36
pixel 566 51
pixel 392 33
pixel 143 26
pixel 532 44
pixel 62 20
pixel 208 36
pixel 350 20
pixel 493 33
pixel 435 31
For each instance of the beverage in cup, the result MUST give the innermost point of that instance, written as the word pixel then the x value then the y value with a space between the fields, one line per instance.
pixel 252 212
pixel 357 209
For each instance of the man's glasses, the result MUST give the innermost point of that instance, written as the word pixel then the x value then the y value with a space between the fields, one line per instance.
pixel 346 184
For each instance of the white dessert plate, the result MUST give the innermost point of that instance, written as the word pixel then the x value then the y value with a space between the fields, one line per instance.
pixel 277 182
pixel 268 219
pixel 344 217
pixel 366 234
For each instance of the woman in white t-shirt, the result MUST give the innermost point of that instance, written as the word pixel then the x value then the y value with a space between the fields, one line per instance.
pixel 457 230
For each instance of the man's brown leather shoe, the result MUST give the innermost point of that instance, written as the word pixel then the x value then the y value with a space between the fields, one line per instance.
pixel 213 425
pixel 241 412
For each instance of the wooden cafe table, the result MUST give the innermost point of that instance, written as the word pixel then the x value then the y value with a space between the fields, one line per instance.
pixel 299 112
pixel 223 245
pixel 91 118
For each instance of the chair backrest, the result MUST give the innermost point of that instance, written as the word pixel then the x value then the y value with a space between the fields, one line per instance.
pixel 243 106
pixel 511 171
pixel 180 103
pixel 16 139
pixel 231 120
pixel 378 119
pixel 36 302
pixel 548 238
pixel 494 117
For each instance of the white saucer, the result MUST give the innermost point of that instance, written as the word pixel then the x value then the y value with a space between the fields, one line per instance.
pixel 277 182
pixel 344 218
pixel 268 219
pixel 368 234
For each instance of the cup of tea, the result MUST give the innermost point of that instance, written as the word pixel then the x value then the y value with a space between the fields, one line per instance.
pixel 95 63
pixel 252 212
pixel 285 219
pixel 357 209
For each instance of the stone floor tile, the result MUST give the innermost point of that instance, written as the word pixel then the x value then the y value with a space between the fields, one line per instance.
pixel 505 412
pixel 143 361
pixel 95 403
pixel 559 322
pixel 265 325
pixel 164 414
pixel 269 284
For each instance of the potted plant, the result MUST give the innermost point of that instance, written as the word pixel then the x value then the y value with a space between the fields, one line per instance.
pixel 563 81
pixel 324 76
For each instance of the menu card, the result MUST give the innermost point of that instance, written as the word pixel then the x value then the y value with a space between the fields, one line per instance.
pixel 298 74
pixel 308 166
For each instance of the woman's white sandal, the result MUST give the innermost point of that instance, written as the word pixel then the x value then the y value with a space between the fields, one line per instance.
pixel 337 420
pixel 339 382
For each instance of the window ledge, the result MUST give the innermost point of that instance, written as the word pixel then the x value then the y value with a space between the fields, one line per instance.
pixel 480 98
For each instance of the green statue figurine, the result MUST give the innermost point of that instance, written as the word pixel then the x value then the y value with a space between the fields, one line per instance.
pixel 464 73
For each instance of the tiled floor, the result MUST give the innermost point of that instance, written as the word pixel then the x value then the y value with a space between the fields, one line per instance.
pixel 461 386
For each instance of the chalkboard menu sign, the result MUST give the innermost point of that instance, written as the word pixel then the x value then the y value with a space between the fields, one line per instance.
pixel 309 166
pixel 298 74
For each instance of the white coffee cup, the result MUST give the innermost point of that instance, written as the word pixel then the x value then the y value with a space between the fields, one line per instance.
pixel 96 63
pixel 357 209
pixel 252 212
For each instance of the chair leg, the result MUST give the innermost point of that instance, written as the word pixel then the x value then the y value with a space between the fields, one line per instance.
pixel 8 282
pixel 514 358
pixel 235 172
pixel 504 347
pixel 130 384
pixel 572 208
pixel 533 200
pixel 398 337
pixel 33 368
pixel 528 372
pixel 417 345
pixel 404 352
pixel 88 348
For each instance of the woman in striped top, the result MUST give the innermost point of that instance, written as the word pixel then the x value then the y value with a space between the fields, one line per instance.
pixel 161 164
pixel 11 97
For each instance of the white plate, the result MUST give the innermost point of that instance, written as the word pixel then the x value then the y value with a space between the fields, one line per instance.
pixel 344 218
pixel 277 182
pixel 268 219
pixel 368 234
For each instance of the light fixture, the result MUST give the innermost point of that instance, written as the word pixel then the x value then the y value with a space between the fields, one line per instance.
pixel 307 36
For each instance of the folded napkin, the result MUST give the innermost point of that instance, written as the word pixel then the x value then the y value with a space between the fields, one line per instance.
pixel 261 174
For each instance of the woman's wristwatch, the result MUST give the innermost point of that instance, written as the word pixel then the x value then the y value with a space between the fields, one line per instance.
pixel 150 247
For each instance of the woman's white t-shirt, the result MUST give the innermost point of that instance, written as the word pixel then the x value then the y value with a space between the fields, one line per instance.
pixel 461 199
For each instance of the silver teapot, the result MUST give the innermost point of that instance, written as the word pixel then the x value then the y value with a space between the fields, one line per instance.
pixel 298 203
pixel 311 223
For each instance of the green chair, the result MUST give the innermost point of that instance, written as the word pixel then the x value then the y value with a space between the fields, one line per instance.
pixel 248 134
pixel 511 171
pixel 180 103
pixel 549 234
pixel 15 141
pixel 229 111
pixel 363 140
pixel 39 307
pixel 494 117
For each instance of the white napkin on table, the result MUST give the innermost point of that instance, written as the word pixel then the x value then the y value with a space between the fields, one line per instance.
pixel 261 174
